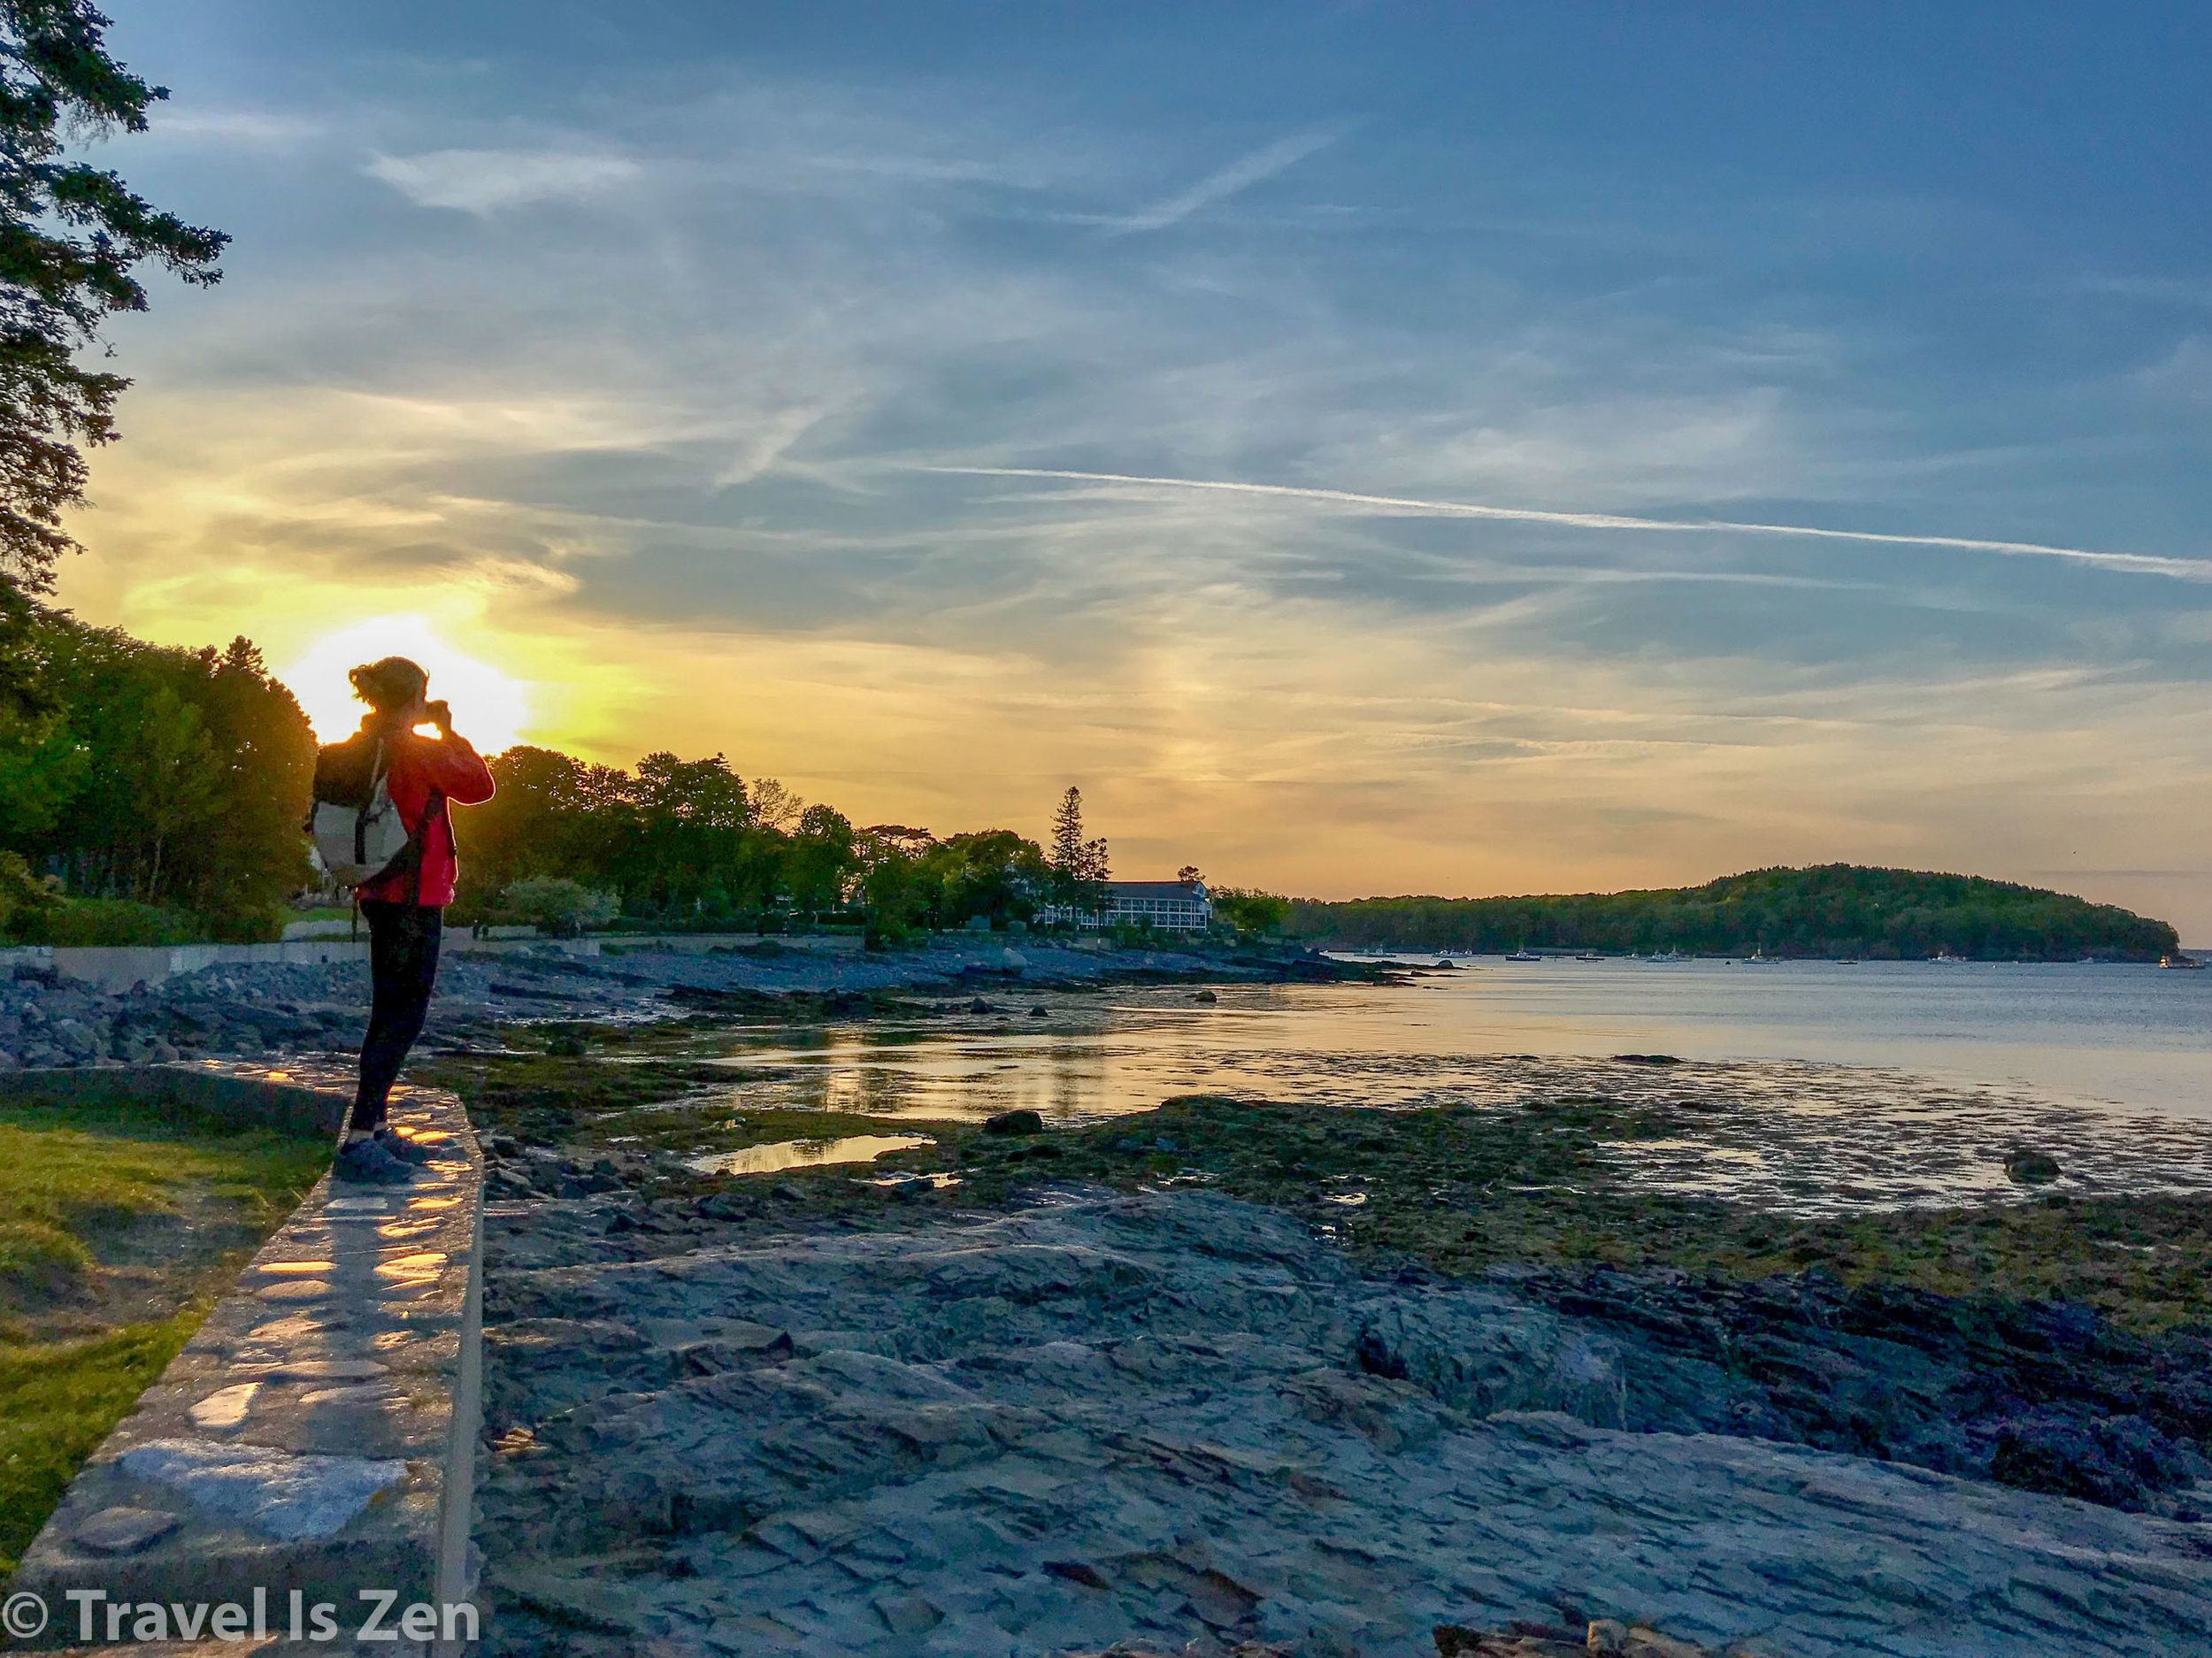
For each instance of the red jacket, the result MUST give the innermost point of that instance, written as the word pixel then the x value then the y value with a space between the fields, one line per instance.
pixel 419 764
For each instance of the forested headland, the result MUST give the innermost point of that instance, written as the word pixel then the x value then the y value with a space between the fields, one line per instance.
pixel 1832 909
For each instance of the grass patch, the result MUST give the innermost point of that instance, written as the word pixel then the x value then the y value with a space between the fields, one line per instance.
pixel 123 1220
pixel 58 1400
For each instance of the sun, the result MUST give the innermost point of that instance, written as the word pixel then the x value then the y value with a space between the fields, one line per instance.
pixel 489 709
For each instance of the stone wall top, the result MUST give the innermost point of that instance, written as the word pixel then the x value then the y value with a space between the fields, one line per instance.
pixel 318 1434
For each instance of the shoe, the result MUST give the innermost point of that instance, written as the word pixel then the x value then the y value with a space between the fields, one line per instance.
pixel 364 1162
pixel 397 1144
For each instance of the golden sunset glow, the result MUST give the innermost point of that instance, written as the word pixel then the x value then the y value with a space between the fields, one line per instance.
pixel 1306 570
pixel 489 708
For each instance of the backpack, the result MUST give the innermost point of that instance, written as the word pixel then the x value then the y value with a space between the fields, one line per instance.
pixel 356 825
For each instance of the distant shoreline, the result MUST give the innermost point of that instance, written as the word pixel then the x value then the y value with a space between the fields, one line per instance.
pixel 1838 911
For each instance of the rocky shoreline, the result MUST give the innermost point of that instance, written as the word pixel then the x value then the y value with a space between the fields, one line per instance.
pixel 276 1010
pixel 1479 1263
pixel 1248 1377
pixel 1177 1420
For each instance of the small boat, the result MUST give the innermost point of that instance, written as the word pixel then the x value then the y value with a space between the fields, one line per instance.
pixel 1946 955
pixel 1524 955
pixel 1589 956
pixel 2186 963
pixel 1760 958
pixel 1668 955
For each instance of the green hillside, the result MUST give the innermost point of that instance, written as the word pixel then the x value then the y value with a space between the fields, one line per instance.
pixel 1831 909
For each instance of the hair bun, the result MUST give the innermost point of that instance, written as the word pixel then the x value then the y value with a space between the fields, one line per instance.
pixel 392 684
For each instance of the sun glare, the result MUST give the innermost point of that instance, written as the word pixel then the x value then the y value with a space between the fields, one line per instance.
pixel 489 708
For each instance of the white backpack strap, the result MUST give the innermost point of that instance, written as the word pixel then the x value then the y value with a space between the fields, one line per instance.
pixel 361 817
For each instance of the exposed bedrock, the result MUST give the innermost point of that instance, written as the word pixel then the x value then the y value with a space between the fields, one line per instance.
pixel 1164 1419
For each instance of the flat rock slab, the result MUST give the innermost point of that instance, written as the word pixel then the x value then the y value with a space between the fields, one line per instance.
pixel 318 1429
pixel 124 1530
pixel 287 1496
pixel 1157 1420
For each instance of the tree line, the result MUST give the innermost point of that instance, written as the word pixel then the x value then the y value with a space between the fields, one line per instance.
pixel 144 775
pixel 161 789
pixel 683 842
pixel 1835 910
pixel 151 794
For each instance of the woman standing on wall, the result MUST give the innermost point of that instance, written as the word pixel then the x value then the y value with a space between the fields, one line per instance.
pixel 405 902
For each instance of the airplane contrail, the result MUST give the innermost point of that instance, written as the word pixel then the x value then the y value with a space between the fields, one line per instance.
pixel 2138 563
pixel 1241 175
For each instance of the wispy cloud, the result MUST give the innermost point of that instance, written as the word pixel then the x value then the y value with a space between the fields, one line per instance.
pixel 242 128
pixel 752 508
pixel 484 180
pixel 2138 563
pixel 2184 373
pixel 1241 175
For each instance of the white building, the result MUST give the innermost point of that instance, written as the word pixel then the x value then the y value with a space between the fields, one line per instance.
pixel 1178 906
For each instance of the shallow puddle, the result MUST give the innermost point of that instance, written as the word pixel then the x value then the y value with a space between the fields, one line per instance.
pixel 805 1153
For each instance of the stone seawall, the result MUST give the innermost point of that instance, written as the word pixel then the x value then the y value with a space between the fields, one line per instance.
pixel 316 1436
pixel 119 967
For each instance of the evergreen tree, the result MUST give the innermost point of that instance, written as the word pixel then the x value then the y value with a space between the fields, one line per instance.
pixel 1080 867
pixel 70 237
pixel 1067 832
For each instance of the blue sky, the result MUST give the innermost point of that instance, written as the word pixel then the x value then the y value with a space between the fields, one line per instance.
pixel 785 381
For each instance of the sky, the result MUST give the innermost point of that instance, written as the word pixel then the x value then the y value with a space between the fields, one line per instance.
pixel 1369 447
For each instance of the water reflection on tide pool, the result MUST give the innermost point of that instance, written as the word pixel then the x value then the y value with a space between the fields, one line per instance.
pixel 2111 1035
pixel 804 1153
pixel 1806 1084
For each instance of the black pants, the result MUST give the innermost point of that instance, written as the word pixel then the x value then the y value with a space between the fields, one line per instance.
pixel 403 970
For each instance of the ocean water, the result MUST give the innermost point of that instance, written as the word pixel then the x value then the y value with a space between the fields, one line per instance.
pixel 2124 1036
pixel 1809 1085
pixel 2121 1038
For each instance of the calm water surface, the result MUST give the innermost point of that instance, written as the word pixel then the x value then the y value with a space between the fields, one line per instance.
pixel 2134 1038
pixel 1816 1087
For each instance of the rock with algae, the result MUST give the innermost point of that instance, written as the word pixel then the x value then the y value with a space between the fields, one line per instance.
pixel 1173 1420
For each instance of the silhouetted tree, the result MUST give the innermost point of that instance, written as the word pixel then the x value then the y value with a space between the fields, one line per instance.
pixel 820 857
pixel 70 236
pixel 774 806
pixel 1080 867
